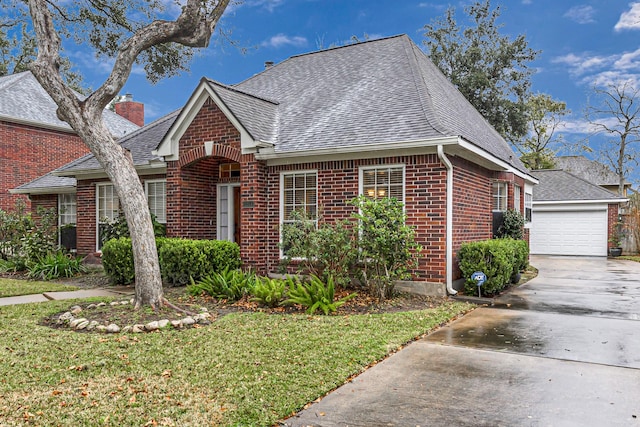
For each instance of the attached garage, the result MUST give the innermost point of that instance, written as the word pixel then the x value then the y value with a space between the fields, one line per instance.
pixel 565 230
pixel 570 216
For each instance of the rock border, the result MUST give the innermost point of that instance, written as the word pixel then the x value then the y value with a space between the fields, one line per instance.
pixel 73 320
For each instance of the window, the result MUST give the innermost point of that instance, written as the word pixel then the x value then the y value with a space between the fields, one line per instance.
pixel 229 170
pixel 516 198
pixel 500 196
pixel 107 208
pixel 528 206
pixel 157 199
pixel 67 209
pixel 298 200
pixel 383 181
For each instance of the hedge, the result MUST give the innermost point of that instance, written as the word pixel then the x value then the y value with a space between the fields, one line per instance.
pixel 499 259
pixel 180 259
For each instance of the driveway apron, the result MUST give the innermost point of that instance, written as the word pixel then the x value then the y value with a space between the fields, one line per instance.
pixel 561 350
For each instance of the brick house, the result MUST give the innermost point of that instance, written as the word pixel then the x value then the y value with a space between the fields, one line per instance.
pixel 32 138
pixel 313 132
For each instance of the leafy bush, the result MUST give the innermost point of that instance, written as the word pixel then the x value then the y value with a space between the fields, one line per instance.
pixel 512 225
pixel 270 292
pixel 316 295
pixel 387 244
pixel 181 259
pixel 498 259
pixel 328 249
pixel 23 239
pixel 117 260
pixel 118 228
pixel 227 284
pixel 56 265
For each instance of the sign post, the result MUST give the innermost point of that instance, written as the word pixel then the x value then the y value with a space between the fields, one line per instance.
pixel 479 277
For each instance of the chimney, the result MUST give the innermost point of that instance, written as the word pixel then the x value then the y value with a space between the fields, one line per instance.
pixel 132 111
pixel 268 64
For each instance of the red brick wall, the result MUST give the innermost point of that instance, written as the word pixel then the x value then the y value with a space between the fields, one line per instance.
pixel 27 152
pixel 45 201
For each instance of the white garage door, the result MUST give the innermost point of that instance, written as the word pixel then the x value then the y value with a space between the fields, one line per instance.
pixel 569 232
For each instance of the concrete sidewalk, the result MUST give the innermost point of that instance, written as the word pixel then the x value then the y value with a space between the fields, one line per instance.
pixel 55 296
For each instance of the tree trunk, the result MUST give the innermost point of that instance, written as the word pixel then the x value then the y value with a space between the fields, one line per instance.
pixel 119 167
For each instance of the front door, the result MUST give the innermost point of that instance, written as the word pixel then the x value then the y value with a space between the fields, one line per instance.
pixel 228 212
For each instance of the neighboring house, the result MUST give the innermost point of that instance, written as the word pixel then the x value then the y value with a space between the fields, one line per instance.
pixel 592 171
pixel 32 138
pixel 571 216
pixel 312 133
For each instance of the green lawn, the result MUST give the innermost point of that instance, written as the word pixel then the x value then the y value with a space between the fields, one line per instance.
pixel 12 287
pixel 635 258
pixel 243 369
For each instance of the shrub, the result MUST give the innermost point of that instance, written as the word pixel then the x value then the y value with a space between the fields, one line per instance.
pixel 117 260
pixel 269 292
pixel 512 225
pixel 328 249
pixel 227 284
pixel 24 240
pixel 181 259
pixel 387 244
pixel 315 295
pixel 118 228
pixel 498 259
pixel 56 265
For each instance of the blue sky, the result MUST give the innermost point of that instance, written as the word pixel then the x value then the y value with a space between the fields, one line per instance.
pixel 582 43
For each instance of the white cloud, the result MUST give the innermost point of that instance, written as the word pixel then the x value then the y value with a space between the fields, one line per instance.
pixel 270 5
pixel 629 20
pixel 582 64
pixel 582 14
pixel 280 40
pixel 594 70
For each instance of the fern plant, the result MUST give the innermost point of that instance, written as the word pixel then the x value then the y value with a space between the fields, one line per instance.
pixel 316 295
pixel 228 284
pixel 269 292
pixel 56 265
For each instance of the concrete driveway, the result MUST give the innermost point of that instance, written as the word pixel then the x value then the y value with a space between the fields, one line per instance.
pixel 562 350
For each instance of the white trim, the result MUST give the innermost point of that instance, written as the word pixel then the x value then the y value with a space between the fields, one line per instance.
pixel 152 168
pixel 44 190
pixel 35 123
pixel 60 225
pixel 97 209
pixel 281 202
pixel 493 159
pixel 360 150
pixel 577 202
pixel 505 186
pixel 169 146
pixel 230 210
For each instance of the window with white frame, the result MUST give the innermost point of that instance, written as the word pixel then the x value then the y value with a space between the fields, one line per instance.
pixel 298 202
pixel 382 181
pixel 157 199
pixel 516 197
pixel 67 209
pixel 528 206
pixel 107 209
pixel 499 196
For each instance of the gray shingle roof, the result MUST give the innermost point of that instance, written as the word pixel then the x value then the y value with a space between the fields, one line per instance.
pixel 559 185
pixel 47 181
pixel 380 91
pixel 140 143
pixel 590 170
pixel 22 98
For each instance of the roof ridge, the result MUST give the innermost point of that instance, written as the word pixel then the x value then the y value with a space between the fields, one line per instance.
pixel 233 88
pixel 12 79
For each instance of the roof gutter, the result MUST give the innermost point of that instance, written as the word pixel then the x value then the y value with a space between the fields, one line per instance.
pixel 449 236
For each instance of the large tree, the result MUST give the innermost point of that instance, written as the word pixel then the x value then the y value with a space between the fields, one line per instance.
pixel 491 70
pixel 616 114
pixel 127 32
pixel 538 148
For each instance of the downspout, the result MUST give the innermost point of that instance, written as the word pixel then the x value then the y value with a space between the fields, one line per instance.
pixel 449 234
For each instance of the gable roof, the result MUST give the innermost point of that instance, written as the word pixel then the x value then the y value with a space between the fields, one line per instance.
pixel 558 185
pixel 140 143
pixel 24 100
pixel 589 170
pixel 354 97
